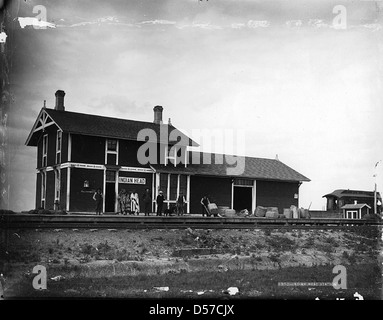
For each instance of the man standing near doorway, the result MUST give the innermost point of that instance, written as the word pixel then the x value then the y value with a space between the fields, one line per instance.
pixel 98 198
pixel 147 198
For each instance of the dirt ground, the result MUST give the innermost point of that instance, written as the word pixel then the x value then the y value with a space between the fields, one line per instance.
pixel 96 254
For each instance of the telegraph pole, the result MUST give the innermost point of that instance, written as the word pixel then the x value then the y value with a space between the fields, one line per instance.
pixel 375 199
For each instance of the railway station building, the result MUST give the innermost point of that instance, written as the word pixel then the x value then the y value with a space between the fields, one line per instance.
pixel 78 153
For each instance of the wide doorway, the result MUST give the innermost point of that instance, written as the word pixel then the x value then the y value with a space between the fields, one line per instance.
pixel 110 191
pixel 243 198
pixel 110 197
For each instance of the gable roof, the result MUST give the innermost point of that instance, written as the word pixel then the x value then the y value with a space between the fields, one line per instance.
pixel 93 125
pixel 355 206
pixel 344 193
pixel 255 168
pixel 220 165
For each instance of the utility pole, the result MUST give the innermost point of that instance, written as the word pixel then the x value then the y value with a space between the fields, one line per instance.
pixel 375 200
pixel 375 197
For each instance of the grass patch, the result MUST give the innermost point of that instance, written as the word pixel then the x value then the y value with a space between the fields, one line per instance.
pixel 187 239
pixel 281 243
pixel 362 278
pixel 332 242
pixel 371 232
pixel 310 242
pixel 325 247
pixel 105 251
pixel 257 246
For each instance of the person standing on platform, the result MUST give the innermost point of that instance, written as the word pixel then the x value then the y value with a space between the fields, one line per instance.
pixel 135 203
pixel 205 206
pixel 127 204
pixel 131 196
pixel 121 201
pixel 147 198
pixel 160 203
pixel 98 198
pixel 180 204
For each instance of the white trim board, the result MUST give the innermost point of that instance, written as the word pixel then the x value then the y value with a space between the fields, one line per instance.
pixel 103 167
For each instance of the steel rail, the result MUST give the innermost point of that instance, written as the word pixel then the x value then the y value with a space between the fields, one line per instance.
pixel 29 221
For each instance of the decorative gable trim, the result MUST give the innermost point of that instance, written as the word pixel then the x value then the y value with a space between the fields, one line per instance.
pixel 43 121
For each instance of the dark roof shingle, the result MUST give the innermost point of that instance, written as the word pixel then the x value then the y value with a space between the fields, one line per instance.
pixel 256 168
pixel 229 166
pixel 93 125
pixel 344 193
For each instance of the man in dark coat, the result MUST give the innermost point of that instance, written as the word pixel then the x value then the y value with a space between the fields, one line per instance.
pixel 180 204
pixel 98 198
pixel 160 203
pixel 147 197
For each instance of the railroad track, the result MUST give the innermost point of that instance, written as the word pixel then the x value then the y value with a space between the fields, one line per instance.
pixel 72 221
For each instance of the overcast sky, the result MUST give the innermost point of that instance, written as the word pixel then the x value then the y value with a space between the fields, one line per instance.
pixel 279 70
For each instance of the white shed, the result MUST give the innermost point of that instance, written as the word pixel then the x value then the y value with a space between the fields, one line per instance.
pixel 355 211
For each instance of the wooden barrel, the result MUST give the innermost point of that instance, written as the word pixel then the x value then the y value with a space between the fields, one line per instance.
pixel 287 213
pixel 260 211
pixel 272 212
pixel 227 213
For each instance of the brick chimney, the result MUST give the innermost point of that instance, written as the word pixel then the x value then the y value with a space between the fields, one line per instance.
pixel 60 100
pixel 158 114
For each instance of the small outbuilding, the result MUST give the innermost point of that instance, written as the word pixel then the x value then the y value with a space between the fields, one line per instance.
pixel 355 211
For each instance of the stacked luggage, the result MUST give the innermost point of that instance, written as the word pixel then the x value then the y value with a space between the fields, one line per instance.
pixel 288 213
pixel 213 209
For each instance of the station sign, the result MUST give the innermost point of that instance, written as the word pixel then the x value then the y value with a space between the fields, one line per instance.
pixel 131 180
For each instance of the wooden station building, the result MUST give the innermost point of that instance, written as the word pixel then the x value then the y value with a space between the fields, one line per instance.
pixel 341 197
pixel 78 153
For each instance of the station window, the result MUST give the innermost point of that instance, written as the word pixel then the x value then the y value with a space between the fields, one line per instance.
pixel 243 182
pixel 58 146
pixel 112 145
pixel 164 183
pixel 173 187
pixel 111 156
pixel 177 184
pixel 183 186
pixel 57 184
pixel 43 188
pixel 170 155
pixel 45 150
